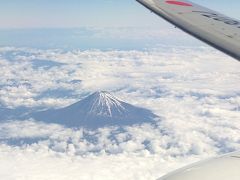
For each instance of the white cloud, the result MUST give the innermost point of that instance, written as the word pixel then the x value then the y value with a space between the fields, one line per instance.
pixel 41 165
pixel 67 154
pixel 195 91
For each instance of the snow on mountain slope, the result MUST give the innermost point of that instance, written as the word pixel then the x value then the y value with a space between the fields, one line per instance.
pixel 103 104
pixel 97 110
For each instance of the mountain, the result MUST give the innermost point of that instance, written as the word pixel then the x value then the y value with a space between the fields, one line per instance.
pixel 97 110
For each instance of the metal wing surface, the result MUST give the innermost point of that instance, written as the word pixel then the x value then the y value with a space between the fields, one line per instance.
pixel 214 28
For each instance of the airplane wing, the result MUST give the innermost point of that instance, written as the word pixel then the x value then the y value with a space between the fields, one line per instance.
pixel 226 167
pixel 215 29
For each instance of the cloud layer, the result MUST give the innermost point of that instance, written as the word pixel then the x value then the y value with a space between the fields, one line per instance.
pixel 195 91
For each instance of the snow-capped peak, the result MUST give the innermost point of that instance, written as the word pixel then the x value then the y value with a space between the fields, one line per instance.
pixel 105 104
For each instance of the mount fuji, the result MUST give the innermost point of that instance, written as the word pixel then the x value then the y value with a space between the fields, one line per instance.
pixel 97 110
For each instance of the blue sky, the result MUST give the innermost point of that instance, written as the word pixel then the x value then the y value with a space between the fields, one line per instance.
pixel 82 13
pixel 95 24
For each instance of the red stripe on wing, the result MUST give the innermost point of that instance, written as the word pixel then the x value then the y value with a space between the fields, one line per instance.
pixel 179 3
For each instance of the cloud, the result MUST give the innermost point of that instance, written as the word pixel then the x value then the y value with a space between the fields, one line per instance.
pixel 45 165
pixel 62 153
pixel 194 90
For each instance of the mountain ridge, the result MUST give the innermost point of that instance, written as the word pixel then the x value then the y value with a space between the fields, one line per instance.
pixel 97 110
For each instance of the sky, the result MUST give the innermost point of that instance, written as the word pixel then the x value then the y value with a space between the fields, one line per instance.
pixel 96 24
pixel 82 13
